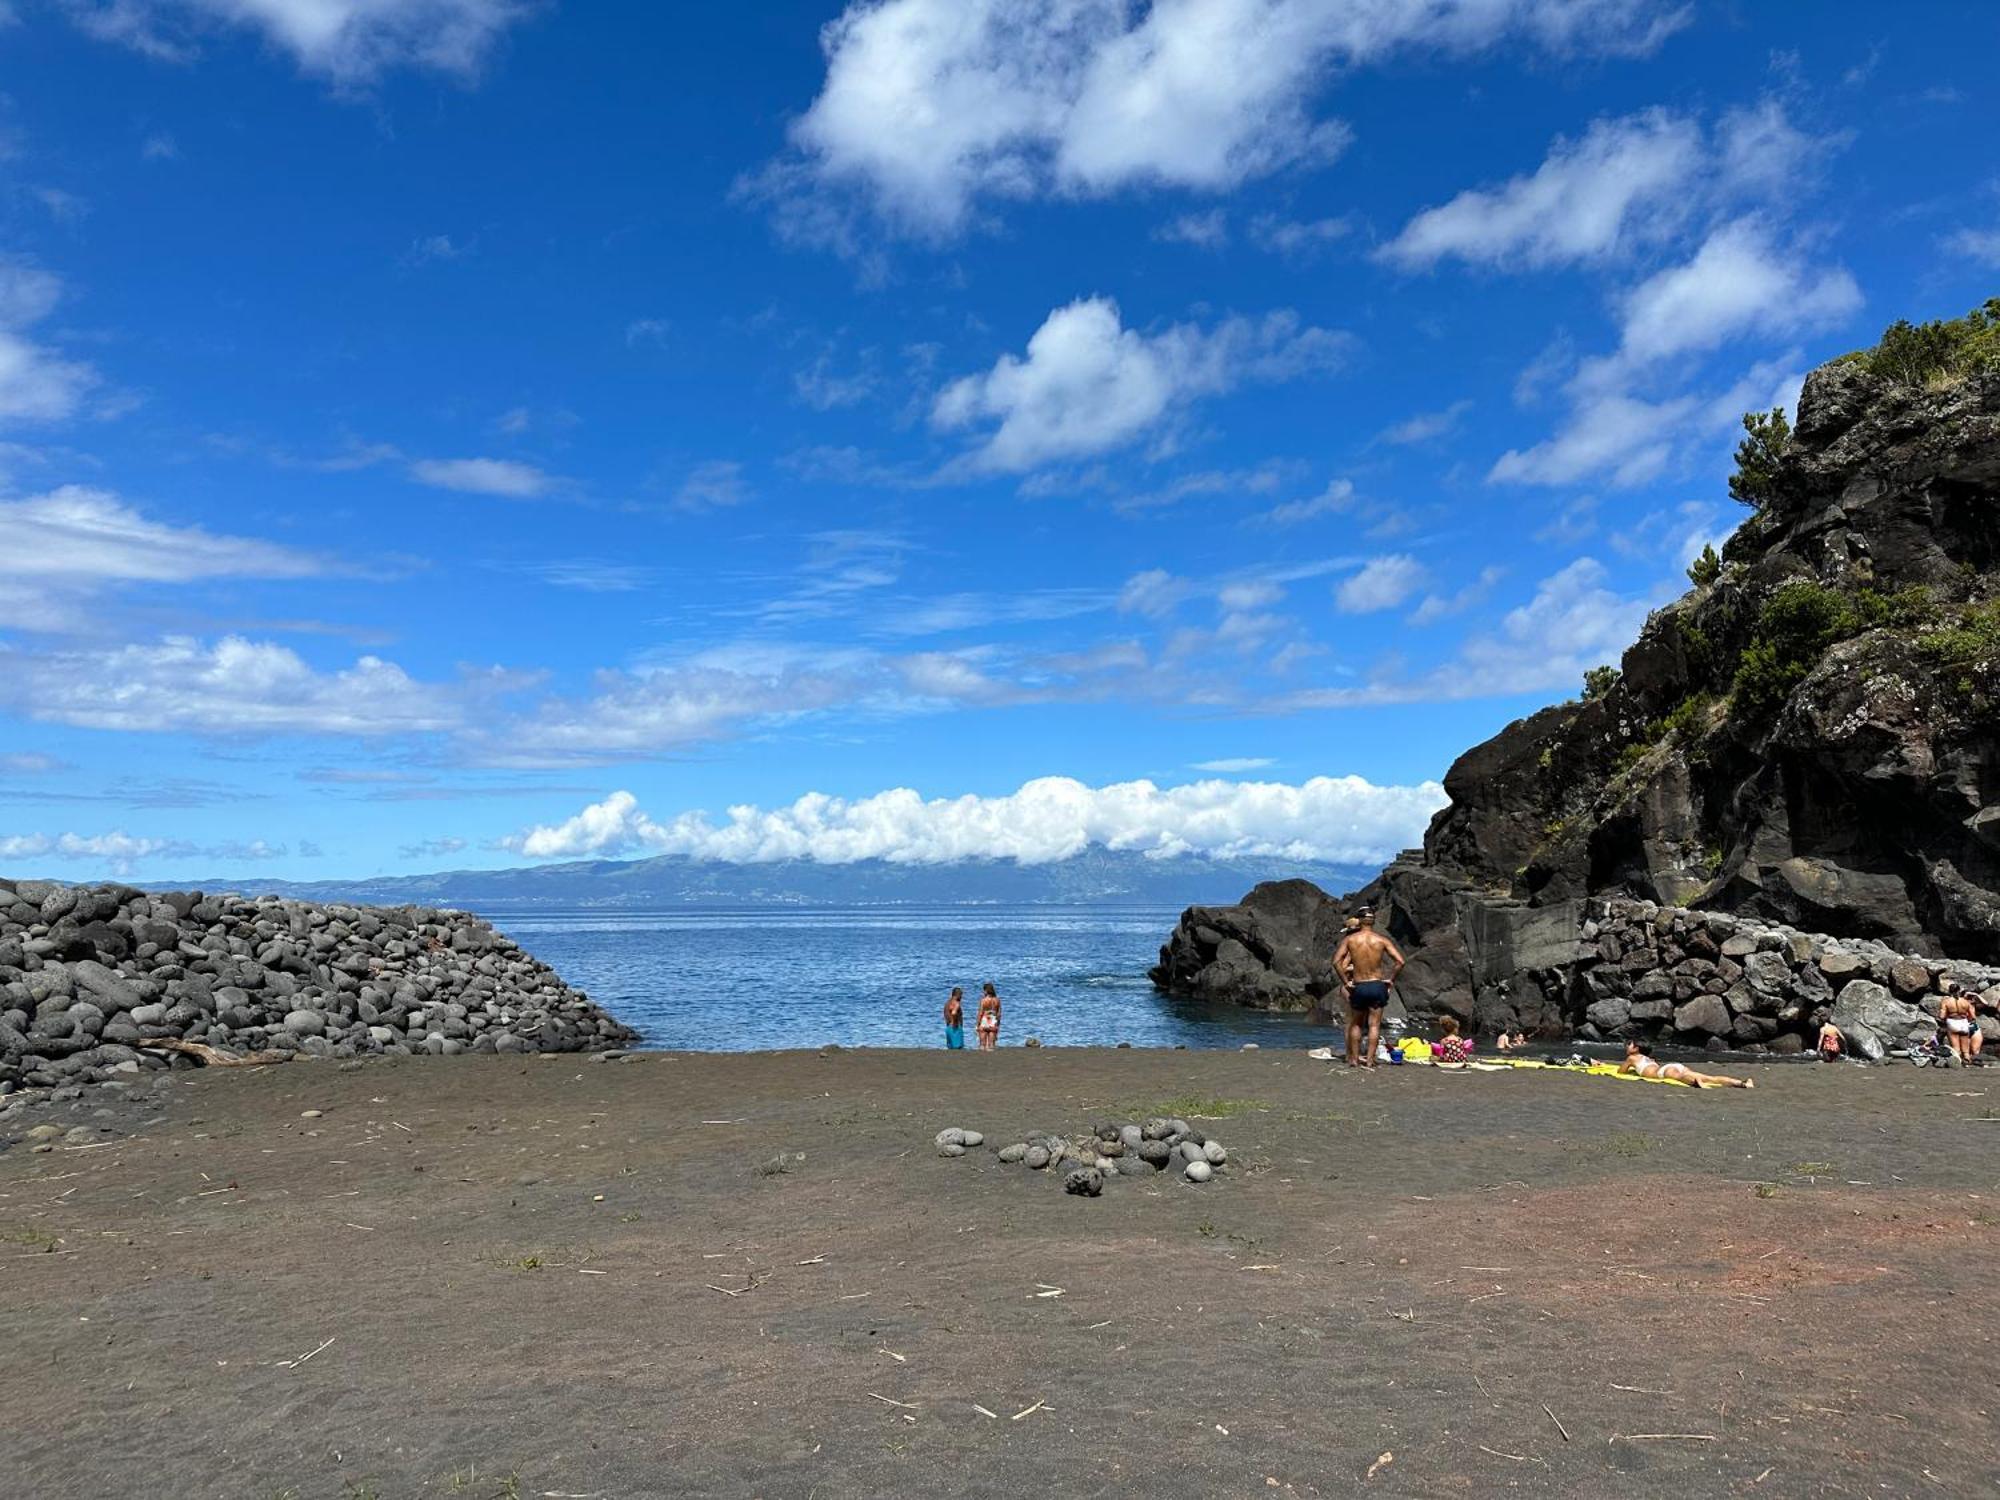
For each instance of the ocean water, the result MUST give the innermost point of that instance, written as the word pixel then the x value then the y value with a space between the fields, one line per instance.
pixel 744 979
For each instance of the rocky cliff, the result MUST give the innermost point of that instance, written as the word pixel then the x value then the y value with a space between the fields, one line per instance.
pixel 1810 737
pixel 90 975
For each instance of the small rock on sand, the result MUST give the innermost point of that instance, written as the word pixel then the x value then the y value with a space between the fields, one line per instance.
pixel 1012 1154
pixel 950 1136
pixel 971 1138
pixel 312 1114
pixel 1036 1157
pixel 951 1148
pixel 1199 1171
pixel 1215 1154
pixel 1084 1182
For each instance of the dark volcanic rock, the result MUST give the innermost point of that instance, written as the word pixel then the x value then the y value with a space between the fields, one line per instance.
pixel 1857 794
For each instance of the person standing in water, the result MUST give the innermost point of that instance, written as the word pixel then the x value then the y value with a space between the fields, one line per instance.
pixel 954 1020
pixel 1367 964
pixel 989 1018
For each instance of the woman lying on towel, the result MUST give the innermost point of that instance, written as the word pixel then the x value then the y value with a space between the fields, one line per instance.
pixel 1639 1059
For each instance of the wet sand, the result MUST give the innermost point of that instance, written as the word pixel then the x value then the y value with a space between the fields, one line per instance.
pixel 536 1277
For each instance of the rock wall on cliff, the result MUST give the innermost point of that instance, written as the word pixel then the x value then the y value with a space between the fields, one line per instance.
pixel 90 974
pixel 1809 738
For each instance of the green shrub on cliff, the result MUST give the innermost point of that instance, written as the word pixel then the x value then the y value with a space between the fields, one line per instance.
pixel 1937 352
pixel 1598 681
pixel 1967 647
pixel 1795 628
pixel 1705 569
pixel 1768 435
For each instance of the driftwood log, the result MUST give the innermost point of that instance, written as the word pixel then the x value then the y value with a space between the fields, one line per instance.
pixel 215 1057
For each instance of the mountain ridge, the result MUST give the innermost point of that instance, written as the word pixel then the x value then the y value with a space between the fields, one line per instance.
pixel 1096 876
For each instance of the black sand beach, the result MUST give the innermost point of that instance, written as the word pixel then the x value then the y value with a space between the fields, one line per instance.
pixel 560 1277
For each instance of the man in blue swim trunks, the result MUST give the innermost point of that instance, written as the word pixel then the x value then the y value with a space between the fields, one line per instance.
pixel 1367 964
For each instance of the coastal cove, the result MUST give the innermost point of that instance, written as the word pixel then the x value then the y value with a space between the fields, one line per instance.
pixel 758 978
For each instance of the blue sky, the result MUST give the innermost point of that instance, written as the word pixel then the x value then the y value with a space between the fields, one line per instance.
pixel 453 432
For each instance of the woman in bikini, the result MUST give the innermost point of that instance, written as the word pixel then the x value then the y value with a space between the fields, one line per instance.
pixel 1960 1020
pixel 1639 1059
pixel 989 1018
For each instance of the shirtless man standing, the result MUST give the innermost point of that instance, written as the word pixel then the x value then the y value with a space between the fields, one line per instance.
pixel 1367 964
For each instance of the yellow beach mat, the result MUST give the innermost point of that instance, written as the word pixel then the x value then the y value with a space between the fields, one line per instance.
pixel 1595 1069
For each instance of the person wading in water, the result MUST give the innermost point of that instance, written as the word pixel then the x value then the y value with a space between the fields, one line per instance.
pixel 1367 964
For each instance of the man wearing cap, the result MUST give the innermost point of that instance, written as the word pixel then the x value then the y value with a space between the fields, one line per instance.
pixel 1367 964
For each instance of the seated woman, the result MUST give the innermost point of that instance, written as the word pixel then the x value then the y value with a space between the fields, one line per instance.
pixel 1831 1043
pixel 1639 1059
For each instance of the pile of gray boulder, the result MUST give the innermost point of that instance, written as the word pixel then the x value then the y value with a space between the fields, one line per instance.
pixel 89 974
pixel 1085 1161
pixel 1706 978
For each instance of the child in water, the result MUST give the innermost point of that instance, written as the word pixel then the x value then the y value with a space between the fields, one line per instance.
pixel 954 1020
pixel 989 1018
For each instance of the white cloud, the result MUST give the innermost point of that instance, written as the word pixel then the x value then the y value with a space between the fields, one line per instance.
pixel 1426 426
pixel 349 41
pixel 1441 606
pixel 1623 181
pixel 931 106
pixel 1234 765
pixel 432 248
pixel 431 848
pixel 1052 818
pixel 1297 239
pixel 235 687
pixel 1627 439
pixel 1155 592
pixel 36 385
pixel 116 850
pixel 646 331
pixel 1981 245
pixel 1739 281
pixel 72 544
pixel 30 763
pixel 1573 622
pixel 1088 384
pixel 159 146
pixel 1336 499
pixel 504 477
pixel 1383 584
pixel 713 485
pixel 1206 231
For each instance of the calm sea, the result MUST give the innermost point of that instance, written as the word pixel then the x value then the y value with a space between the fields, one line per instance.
pixel 737 979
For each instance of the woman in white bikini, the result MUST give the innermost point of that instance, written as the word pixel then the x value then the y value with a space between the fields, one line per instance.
pixel 1639 1059
pixel 989 1018
pixel 1960 1020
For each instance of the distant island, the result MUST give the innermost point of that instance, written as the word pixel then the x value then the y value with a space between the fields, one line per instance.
pixel 1096 877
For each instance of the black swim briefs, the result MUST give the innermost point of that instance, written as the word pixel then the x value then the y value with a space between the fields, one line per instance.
pixel 1369 994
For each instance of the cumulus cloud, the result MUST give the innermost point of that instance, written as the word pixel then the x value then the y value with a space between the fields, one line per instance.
pixel 930 107
pixel 1048 819
pixel 1383 584
pixel 350 41
pixel 1088 384
pixel 1739 281
pixel 503 477
pixel 1297 239
pixel 233 687
pixel 36 384
pixel 72 544
pixel 117 851
pixel 1622 181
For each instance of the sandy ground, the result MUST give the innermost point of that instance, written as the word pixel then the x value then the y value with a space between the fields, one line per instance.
pixel 500 1277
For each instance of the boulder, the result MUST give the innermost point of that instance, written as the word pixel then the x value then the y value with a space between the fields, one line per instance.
pixel 1865 1009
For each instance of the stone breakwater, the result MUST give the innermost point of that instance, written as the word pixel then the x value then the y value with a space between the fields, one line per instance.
pixel 89 974
pixel 1709 979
